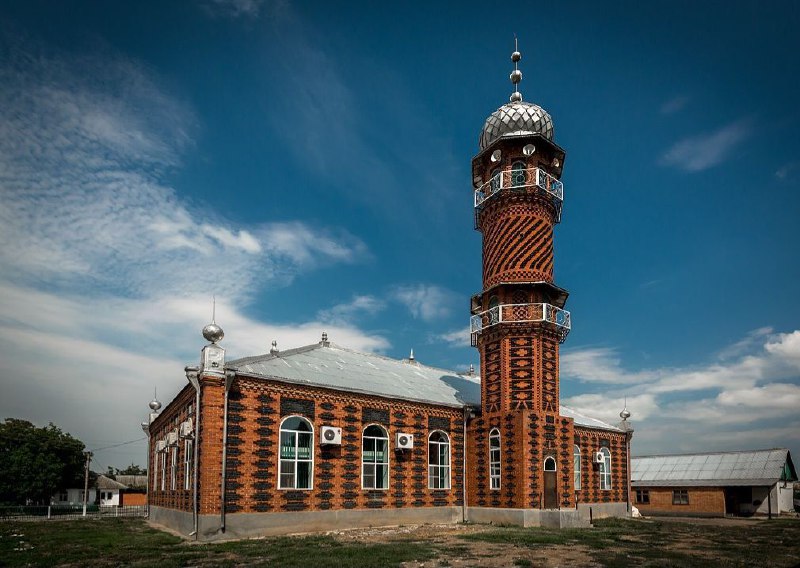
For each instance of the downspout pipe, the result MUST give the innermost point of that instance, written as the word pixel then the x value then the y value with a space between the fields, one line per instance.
pixel 468 413
pixel 230 375
pixel 193 376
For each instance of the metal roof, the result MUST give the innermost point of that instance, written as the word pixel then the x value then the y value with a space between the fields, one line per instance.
pixel 329 365
pixel 758 467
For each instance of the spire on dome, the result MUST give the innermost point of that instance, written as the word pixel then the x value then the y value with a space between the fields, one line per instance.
pixel 516 74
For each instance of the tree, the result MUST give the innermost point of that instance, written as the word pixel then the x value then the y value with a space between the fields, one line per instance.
pixel 35 463
pixel 130 470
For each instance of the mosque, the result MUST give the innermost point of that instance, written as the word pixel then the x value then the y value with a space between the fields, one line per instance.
pixel 324 437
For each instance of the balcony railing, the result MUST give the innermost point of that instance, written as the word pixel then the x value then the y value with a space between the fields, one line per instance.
pixel 521 179
pixel 520 313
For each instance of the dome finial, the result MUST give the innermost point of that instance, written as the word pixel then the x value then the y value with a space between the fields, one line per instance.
pixel 212 332
pixel 625 414
pixel 516 74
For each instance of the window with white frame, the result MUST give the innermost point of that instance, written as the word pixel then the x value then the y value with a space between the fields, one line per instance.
pixel 494 459
pixel 576 460
pixel 163 470
pixel 188 457
pixel 297 454
pixel 438 461
pixel 155 471
pixel 605 469
pixel 173 469
pixel 375 458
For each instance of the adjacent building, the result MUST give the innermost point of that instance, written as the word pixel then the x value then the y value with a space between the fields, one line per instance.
pixel 715 484
pixel 325 437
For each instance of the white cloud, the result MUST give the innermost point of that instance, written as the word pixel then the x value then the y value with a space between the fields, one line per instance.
pixel 783 172
pixel 704 151
pixel 234 8
pixel 455 338
pixel 674 105
pixel 752 384
pixel 346 312
pixel 425 301
pixel 106 272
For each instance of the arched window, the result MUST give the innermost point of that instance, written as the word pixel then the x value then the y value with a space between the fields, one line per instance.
pixel 549 464
pixel 494 314
pixel 495 180
pixel 576 459
pixel 605 469
pixel 438 461
pixel 375 458
pixel 494 459
pixel 518 174
pixel 297 454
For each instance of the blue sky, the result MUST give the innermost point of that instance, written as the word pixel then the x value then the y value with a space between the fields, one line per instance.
pixel 309 164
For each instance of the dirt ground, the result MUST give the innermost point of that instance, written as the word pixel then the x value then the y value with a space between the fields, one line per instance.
pixel 468 553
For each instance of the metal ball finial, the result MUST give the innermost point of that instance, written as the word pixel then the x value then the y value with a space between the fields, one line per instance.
pixel 516 76
pixel 516 56
pixel 625 414
pixel 155 405
pixel 515 97
pixel 213 333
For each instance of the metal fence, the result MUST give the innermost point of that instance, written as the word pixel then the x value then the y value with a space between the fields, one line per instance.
pixel 45 512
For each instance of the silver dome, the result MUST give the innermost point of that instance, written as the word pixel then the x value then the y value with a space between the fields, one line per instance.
pixel 213 333
pixel 625 414
pixel 519 117
pixel 154 405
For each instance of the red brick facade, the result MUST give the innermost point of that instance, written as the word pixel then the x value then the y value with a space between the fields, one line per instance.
pixel 255 410
pixel 693 500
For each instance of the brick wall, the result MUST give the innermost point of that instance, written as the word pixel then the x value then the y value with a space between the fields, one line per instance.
pixel 255 410
pixel 590 441
pixel 702 500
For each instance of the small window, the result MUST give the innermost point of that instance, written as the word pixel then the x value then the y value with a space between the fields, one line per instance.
pixel 494 459
pixel 576 461
pixel 173 470
pixel 680 497
pixel 549 464
pixel 188 461
pixel 605 469
pixel 643 496
pixel 163 470
pixel 495 180
pixel 518 174
pixel 297 454
pixel 438 461
pixel 375 458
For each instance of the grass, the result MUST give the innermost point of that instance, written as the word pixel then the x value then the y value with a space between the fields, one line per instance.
pixel 611 543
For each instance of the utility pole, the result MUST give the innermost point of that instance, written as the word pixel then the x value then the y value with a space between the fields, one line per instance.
pixel 86 480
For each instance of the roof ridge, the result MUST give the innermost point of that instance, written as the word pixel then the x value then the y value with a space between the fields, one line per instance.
pixel 729 452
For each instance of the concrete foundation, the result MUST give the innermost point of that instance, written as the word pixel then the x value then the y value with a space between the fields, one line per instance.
pixel 553 518
pixel 247 525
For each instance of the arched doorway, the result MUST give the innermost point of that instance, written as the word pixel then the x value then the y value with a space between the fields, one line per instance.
pixel 550 493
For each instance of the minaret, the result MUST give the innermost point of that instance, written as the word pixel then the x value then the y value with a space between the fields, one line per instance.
pixel 518 320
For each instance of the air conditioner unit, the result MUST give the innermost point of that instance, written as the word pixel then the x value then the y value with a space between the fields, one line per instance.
pixel 599 457
pixel 404 441
pixel 186 429
pixel 331 435
pixel 172 438
pixel 160 445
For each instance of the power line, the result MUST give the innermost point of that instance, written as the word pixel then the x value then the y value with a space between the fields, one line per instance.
pixel 118 445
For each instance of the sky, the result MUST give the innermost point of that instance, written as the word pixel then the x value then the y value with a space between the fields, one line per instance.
pixel 308 164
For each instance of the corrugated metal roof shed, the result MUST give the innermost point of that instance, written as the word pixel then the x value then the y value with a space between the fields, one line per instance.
pixel 756 468
pixel 329 365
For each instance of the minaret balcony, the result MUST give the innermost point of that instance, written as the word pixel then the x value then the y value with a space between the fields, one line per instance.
pixel 510 180
pixel 559 319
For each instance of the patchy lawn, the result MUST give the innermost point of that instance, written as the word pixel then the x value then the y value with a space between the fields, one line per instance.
pixel 612 542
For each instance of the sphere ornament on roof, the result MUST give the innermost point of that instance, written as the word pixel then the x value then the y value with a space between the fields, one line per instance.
pixel 155 405
pixel 517 117
pixel 213 333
